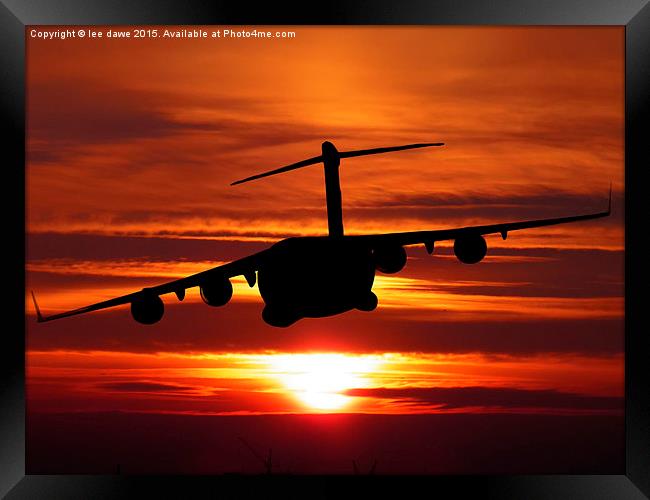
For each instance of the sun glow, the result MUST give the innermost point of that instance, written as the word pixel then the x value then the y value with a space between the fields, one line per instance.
pixel 319 380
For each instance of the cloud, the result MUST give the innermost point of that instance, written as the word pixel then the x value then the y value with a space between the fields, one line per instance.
pixel 195 327
pixel 491 397
pixel 535 203
pixel 44 246
pixel 64 112
pixel 76 118
pixel 143 386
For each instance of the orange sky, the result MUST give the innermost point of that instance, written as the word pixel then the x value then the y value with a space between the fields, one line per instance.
pixel 132 145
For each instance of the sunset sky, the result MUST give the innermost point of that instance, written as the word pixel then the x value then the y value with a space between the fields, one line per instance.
pixel 131 149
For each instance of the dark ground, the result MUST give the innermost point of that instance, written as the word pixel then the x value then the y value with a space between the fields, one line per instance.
pixel 132 443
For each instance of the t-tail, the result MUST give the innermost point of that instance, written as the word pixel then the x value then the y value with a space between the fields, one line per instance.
pixel 330 157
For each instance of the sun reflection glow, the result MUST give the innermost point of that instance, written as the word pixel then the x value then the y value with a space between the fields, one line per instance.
pixel 318 380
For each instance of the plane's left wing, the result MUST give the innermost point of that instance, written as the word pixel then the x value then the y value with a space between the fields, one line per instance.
pixel 245 266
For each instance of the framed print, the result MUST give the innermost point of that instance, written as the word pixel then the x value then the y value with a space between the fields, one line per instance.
pixel 275 250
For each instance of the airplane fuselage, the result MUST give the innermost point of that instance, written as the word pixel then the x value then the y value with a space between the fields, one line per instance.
pixel 312 277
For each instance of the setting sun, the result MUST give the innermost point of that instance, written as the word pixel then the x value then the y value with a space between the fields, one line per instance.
pixel 319 380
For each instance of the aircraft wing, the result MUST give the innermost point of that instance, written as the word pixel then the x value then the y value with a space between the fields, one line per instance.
pixel 245 266
pixel 429 237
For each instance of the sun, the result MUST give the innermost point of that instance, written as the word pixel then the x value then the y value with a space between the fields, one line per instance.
pixel 320 380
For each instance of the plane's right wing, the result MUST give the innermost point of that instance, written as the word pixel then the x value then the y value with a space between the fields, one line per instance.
pixel 429 237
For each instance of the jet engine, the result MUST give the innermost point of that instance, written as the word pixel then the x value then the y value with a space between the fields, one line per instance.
pixel 470 248
pixel 390 259
pixel 216 292
pixel 147 308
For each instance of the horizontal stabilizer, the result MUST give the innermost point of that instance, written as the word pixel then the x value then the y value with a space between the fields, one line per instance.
pixel 341 154
pixel 293 166
pixel 374 151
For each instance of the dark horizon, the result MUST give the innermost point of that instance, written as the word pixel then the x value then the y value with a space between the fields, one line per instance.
pixel 97 443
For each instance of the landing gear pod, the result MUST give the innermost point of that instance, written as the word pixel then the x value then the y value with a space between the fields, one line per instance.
pixel 278 317
pixel 147 309
pixel 368 303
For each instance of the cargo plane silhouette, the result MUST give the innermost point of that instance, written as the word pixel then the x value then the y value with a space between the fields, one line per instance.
pixel 318 276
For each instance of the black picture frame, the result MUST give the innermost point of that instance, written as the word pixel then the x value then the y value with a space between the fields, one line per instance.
pixel 15 15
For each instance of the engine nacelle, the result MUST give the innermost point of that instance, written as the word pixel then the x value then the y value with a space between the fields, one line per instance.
pixel 217 292
pixel 470 248
pixel 147 308
pixel 390 259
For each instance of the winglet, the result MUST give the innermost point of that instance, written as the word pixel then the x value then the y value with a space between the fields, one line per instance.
pixel 39 316
pixel 609 204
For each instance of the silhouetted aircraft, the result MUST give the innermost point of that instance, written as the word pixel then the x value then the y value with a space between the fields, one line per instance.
pixel 318 276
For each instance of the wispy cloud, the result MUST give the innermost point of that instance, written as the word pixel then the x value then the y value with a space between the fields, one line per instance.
pixel 143 386
pixel 448 398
